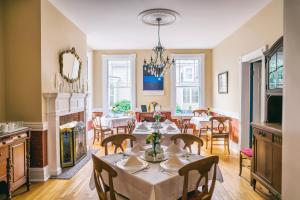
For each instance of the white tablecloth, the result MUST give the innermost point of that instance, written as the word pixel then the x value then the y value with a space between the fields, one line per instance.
pixel 113 122
pixel 201 121
pixel 141 135
pixel 152 184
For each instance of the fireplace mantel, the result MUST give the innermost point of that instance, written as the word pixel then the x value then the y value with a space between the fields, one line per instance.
pixel 60 104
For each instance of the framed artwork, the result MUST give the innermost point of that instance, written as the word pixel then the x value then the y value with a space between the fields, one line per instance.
pixel 152 85
pixel 223 83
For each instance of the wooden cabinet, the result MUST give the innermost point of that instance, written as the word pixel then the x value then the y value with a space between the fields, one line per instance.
pixel 267 156
pixel 274 71
pixel 148 116
pixel 15 159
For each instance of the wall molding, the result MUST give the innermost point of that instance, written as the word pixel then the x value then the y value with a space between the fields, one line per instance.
pixel 39 174
pixel 37 126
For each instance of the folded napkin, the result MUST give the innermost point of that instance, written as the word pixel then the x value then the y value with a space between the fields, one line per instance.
pixel 174 162
pixel 142 127
pixel 132 161
pixel 173 148
pixel 137 148
pixel 170 128
pixel 168 122
pixel 107 116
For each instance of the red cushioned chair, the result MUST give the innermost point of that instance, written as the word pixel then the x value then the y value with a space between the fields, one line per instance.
pixel 245 153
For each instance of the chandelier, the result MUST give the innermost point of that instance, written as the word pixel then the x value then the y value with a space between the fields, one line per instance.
pixel 160 63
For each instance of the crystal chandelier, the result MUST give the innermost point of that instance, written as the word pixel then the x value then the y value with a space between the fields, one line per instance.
pixel 160 63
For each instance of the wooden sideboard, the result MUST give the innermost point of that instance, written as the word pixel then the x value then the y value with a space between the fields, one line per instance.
pixel 267 156
pixel 15 159
pixel 148 116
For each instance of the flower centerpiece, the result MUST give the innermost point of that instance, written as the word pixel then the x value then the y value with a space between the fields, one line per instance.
pixel 155 153
pixel 157 116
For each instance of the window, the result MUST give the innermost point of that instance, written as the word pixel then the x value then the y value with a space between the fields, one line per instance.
pixel 119 80
pixel 187 87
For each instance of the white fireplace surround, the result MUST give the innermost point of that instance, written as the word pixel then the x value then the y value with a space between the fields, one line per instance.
pixel 60 104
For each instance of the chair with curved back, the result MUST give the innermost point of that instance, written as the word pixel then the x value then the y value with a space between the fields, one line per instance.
pixel 182 125
pixel 203 167
pixel 220 128
pixel 117 141
pixel 188 140
pixel 105 192
pixel 199 113
pixel 100 131
pixel 130 127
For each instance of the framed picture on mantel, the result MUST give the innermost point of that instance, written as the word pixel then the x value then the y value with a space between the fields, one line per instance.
pixel 223 83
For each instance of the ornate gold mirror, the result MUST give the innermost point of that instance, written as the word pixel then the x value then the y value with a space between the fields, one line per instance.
pixel 70 65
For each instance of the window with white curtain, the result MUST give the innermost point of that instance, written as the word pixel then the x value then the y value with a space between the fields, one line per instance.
pixel 120 79
pixel 188 83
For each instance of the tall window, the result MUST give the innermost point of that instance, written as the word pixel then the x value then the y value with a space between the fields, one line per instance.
pixel 188 83
pixel 120 83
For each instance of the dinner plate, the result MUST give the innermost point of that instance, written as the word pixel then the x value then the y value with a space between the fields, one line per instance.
pixel 121 163
pixel 172 169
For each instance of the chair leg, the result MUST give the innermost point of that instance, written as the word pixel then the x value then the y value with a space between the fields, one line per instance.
pixel 228 146
pixel 94 137
pixel 211 145
pixel 241 164
pixel 206 141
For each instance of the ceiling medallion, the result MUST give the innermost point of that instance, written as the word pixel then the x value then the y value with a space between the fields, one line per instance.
pixel 158 65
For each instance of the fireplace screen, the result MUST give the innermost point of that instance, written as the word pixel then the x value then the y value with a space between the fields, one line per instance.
pixel 72 143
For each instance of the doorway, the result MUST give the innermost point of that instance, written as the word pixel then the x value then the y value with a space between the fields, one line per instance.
pixel 255 95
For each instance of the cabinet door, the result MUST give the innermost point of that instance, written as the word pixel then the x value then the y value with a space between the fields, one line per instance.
pixel 277 166
pixel 263 158
pixel 18 163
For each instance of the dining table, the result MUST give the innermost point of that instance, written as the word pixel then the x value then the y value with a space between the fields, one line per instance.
pixel 153 182
pixel 115 121
pixel 201 121
pixel 166 134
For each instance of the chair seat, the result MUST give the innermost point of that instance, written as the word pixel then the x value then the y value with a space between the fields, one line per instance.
pixel 247 151
pixel 105 129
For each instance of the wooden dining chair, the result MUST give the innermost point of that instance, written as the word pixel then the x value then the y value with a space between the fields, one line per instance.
pixel 220 128
pixel 117 140
pixel 105 192
pixel 182 125
pixel 100 131
pixel 199 113
pixel 130 127
pixel 203 167
pixel 188 140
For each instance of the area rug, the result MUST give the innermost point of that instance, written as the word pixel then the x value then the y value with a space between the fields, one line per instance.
pixel 69 172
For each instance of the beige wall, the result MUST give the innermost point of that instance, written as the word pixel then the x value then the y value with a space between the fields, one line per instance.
pixel 22 33
pixel 140 55
pixel 263 29
pixel 57 34
pixel 291 108
pixel 2 75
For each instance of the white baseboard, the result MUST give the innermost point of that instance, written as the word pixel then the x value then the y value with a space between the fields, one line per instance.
pixel 39 174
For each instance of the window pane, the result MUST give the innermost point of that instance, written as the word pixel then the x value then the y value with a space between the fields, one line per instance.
pixel 119 81
pixel 187 85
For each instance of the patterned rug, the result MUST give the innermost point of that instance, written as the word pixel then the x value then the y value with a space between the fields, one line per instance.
pixel 68 173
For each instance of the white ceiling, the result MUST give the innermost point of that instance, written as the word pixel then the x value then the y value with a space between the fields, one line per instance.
pixel 113 24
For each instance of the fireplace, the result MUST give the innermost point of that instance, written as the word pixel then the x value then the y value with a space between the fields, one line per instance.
pixel 72 143
pixel 63 108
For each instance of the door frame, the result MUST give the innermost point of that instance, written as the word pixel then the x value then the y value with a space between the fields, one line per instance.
pixel 245 62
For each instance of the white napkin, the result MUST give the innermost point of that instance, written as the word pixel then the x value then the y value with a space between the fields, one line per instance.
pixel 171 128
pixel 174 162
pixel 167 121
pixel 107 116
pixel 142 127
pixel 132 161
pixel 137 148
pixel 173 148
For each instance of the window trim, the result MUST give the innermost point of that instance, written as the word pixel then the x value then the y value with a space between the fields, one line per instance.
pixel 105 58
pixel 200 57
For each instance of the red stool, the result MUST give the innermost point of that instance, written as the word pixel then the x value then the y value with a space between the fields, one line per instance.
pixel 245 153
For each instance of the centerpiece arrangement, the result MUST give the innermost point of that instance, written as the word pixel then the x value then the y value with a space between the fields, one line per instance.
pixel 155 153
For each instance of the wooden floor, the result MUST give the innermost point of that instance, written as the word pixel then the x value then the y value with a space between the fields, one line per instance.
pixel 234 187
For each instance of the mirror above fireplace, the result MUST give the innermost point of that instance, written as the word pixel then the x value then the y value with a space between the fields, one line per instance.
pixel 70 65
